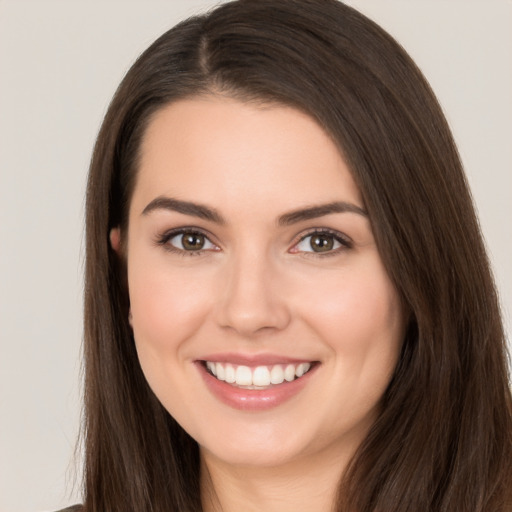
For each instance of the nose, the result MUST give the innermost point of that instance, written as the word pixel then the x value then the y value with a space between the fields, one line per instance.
pixel 253 299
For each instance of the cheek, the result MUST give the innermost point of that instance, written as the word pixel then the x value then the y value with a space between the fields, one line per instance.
pixel 167 305
pixel 362 325
pixel 358 315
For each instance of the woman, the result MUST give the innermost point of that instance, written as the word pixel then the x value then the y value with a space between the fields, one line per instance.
pixel 288 303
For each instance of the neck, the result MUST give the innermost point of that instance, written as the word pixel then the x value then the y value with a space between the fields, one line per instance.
pixel 308 484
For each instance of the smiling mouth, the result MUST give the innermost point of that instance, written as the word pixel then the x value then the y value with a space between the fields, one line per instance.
pixel 258 377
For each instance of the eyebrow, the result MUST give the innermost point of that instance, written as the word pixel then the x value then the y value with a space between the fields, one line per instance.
pixel 312 212
pixel 185 207
pixel 210 214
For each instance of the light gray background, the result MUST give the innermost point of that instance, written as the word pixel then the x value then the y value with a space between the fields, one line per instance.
pixel 60 62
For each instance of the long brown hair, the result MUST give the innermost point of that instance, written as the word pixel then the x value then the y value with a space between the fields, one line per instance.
pixel 443 441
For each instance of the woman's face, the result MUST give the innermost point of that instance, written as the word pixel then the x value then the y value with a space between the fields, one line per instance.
pixel 250 256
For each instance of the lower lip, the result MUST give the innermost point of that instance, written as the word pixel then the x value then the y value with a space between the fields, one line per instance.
pixel 254 399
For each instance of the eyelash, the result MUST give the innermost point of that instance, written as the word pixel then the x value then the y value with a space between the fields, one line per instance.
pixel 343 240
pixel 164 238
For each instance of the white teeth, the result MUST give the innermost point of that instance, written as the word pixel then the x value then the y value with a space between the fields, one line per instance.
pixel 302 369
pixel 211 367
pixel 289 373
pixel 261 376
pixel 258 377
pixel 221 374
pixel 230 374
pixel 243 376
pixel 277 374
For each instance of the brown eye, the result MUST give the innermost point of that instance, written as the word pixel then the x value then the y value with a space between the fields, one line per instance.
pixel 190 241
pixel 193 242
pixel 322 243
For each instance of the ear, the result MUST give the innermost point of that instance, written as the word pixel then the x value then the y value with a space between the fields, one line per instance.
pixel 115 239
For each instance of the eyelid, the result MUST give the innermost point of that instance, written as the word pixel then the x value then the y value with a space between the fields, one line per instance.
pixel 162 239
pixel 345 241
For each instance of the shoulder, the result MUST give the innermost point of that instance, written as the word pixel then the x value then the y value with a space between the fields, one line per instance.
pixel 74 508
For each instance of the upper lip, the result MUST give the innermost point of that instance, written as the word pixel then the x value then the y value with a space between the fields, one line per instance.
pixel 253 359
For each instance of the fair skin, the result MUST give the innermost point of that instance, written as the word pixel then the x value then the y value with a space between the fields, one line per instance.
pixel 249 246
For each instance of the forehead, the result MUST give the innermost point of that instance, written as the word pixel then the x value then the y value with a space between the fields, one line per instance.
pixel 230 152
